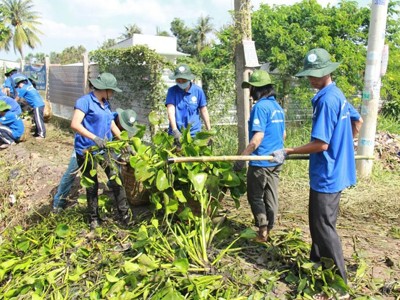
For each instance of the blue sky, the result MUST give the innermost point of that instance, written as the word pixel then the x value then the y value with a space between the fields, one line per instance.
pixel 67 23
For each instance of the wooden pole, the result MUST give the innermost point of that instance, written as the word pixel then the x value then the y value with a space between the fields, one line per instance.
pixel 372 85
pixel 182 159
pixel 85 63
pixel 243 29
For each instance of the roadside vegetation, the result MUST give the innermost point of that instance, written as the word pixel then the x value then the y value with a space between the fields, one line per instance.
pixel 171 253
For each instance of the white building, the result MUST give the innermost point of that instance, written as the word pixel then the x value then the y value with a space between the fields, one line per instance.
pixel 163 45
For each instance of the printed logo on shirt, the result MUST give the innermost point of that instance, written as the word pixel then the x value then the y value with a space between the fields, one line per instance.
pixel 193 99
pixel 256 122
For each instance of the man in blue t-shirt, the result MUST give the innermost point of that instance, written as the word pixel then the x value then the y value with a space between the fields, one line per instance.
pixel 332 165
pixel 9 83
pixel 15 107
pixel 26 91
pixel 186 103
pixel 266 134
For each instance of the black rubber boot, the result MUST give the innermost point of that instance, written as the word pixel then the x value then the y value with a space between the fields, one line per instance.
pixel 92 202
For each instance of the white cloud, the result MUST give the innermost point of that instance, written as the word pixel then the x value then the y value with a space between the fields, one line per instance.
pixel 67 23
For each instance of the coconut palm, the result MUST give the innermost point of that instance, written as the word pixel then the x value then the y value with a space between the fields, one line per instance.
pixel 203 27
pixel 21 21
pixel 130 30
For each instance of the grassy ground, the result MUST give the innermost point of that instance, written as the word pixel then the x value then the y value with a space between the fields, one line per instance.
pixel 46 256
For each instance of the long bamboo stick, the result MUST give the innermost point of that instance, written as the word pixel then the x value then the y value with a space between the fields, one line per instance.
pixel 172 160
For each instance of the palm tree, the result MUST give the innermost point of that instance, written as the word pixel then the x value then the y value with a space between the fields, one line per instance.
pixel 21 22
pixel 130 30
pixel 204 26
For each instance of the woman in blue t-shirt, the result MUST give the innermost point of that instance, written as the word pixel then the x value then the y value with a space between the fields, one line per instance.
pixel 94 125
pixel 266 134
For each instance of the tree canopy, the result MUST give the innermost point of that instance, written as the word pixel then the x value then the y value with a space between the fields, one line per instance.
pixel 21 22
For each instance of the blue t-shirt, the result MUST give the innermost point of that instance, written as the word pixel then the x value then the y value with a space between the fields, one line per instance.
pixel 97 120
pixel 9 83
pixel 332 170
pixel 31 95
pixel 15 107
pixel 267 116
pixel 14 122
pixel 187 107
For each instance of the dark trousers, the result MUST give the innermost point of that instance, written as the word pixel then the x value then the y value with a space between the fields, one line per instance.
pixel 111 169
pixel 6 136
pixel 38 117
pixel 323 212
pixel 262 194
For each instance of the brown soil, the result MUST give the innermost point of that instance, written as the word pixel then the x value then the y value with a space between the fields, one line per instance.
pixel 369 212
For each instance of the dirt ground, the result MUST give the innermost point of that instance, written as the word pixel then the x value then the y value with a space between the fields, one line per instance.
pixel 366 223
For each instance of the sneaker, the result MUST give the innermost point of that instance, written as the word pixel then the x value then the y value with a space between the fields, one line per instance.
pixel 57 210
pixel 5 146
pixel 39 137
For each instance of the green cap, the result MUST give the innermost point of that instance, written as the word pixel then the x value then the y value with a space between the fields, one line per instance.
pixel 105 81
pixel 317 63
pixel 33 77
pixel 257 78
pixel 18 79
pixel 127 119
pixel 182 71
pixel 9 70
pixel 4 106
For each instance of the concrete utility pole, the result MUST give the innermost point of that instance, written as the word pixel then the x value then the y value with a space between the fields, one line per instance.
pixel 244 60
pixel 372 85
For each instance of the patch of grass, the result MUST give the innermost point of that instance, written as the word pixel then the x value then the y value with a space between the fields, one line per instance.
pixel 388 124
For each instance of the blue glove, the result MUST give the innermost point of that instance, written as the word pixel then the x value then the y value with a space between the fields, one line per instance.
pixel 279 156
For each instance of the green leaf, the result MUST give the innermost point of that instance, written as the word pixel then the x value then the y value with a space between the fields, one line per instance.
pixel 86 182
pixel 182 264
pixel 205 134
pixel 186 214
pixel 171 207
pixel 308 266
pixel 23 245
pixel 154 118
pixel 142 171
pixel 248 233
pixel 147 261
pixel 62 230
pixel 111 278
pixel 180 196
pixel 198 180
pixel 230 179
pixel 130 267
pixel 162 181
pixel 93 172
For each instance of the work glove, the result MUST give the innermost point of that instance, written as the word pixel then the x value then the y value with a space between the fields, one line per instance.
pixel 177 139
pixel 239 165
pixel 279 156
pixel 128 149
pixel 101 143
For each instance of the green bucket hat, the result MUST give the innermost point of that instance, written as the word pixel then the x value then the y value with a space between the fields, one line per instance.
pixel 317 63
pixel 9 70
pixel 127 119
pixel 257 78
pixel 182 71
pixel 18 79
pixel 33 77
pixel 4 106
pixel 105 81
